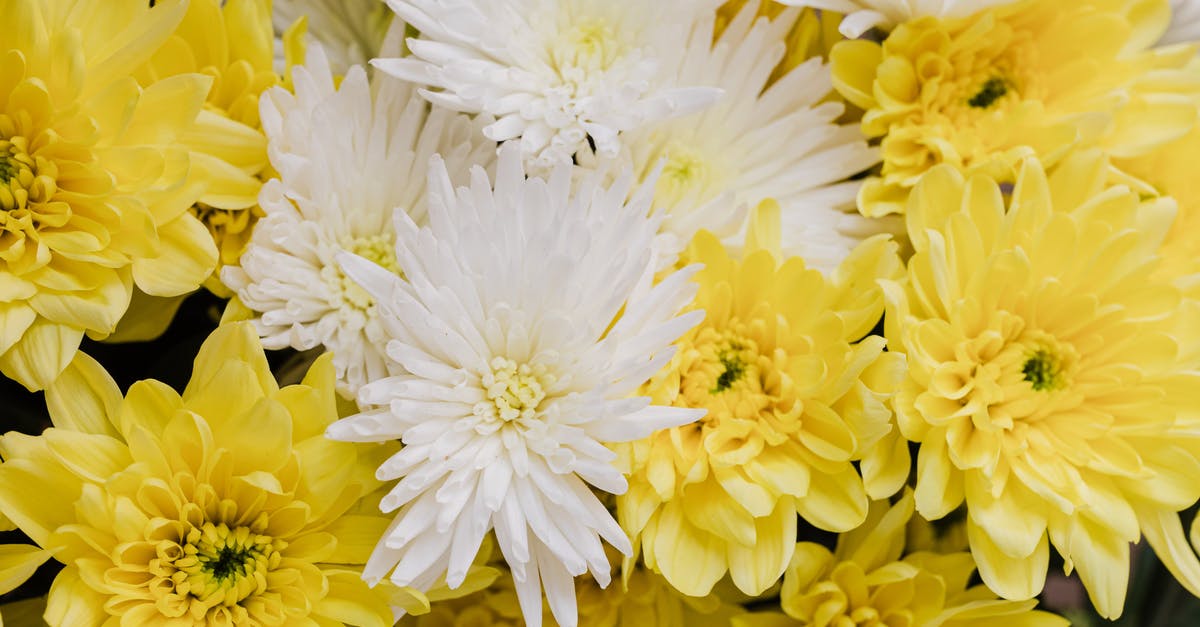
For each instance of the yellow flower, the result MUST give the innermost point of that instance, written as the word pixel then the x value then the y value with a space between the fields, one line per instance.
pixel 1171 169
pixel 233 44
pixel 984 92
pixel 1050 383
pixel 866 582
pixel 93 185
pixel 221 506
pixel 793 398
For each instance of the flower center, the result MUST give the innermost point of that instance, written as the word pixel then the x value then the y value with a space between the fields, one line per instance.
pixel 226 566
pixel 725 373
pixel 514 392
pixel 686 170
pixel 1043 370
pixel 21 179
pixel 590 44
pixel 734 367
pixel 993 89
pixel 379 249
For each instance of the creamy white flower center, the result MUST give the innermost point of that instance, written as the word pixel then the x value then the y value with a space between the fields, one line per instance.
pixel 377 248
pixel 514 391
pixel 590 44
pixel 685 170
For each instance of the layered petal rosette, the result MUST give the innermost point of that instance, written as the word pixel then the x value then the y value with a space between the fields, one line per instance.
pixel 1052 374
pixel 524 324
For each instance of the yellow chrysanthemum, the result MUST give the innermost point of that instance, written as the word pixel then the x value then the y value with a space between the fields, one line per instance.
pixel 232 42
pixel 643 599
pixel 1171 169
pixel 984 92
pixel 226 505
pixel 93 185
pixel 865 582
pixel 1050 383
pixel 793 398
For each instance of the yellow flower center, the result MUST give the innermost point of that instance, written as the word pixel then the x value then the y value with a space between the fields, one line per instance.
pixel 226 566
pixel 514 392
pixel 379 249
pixel 726 375
pixel 591 43
pixel 23 177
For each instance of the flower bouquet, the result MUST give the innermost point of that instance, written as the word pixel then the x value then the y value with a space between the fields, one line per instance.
pixel 617 313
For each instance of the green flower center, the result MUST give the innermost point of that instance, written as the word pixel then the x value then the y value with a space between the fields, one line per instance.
pixel 1043 370
pixel 734 368
pixel 228 565
pixel 994 89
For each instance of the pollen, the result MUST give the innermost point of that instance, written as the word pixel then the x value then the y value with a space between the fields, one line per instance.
pixel 379 249
pixel 514 392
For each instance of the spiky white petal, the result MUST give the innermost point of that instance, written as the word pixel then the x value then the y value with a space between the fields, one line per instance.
pixel 347 158
pixel 556 74
pixel 516 375
pixel 351 32
pixel 780 141
pixel 863 15
pixel 1185 22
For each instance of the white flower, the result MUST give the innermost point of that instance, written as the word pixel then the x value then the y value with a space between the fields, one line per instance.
pixel 518 376
pixel 347 159
pixel 350 31
pixel 863 15
pixel 755 143
pixel 1185 22
pixel 554 73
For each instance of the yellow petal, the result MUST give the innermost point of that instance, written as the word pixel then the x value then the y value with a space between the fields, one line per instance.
pixel 188 256
pixel 708 507
pixel 834 502
pixel 691 559
pixel 18 563
pixel 1010 577
pixel 356 537
pixel 757 567
pixel 72 602
pixel 1101 558
pixel 854 64
pixel 147 318
pixel 350 601
pixel 238 341
pixel 84 398
pixel 96 458
pixel 41 355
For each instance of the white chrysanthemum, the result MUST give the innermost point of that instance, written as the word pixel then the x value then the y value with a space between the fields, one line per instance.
pixel 1185 23
pixel 527 322
pixel 350 31
pixel 863 15
pixel 347 159
pixel 553 73
pixel 755 143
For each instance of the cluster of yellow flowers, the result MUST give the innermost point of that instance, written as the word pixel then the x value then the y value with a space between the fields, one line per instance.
pixel 1019 310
